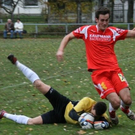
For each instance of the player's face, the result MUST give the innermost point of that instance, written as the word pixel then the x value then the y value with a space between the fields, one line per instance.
pixel 102 21
pixel 93 111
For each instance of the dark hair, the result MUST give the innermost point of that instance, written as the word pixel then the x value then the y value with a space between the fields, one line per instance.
pixel 18 19
pixel 100 108
pixel 102 11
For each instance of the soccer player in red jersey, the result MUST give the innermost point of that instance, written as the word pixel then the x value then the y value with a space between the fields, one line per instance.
pixel 107 76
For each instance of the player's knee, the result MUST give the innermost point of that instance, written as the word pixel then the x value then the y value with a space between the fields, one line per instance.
pixel 127 101
pixel 116 104
pixel 125 96
pixel 38 84
pixel 30 122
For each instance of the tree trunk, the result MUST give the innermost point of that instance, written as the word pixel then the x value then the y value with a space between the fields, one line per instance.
pixel 79 13
pixel 112 11
pixel 12 17
pixel 110 4
pixel 130 12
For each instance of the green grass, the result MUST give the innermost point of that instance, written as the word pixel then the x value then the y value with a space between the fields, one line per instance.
pixel 69 77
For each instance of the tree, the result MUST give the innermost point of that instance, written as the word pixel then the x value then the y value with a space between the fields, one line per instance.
pixel 79 9
pixel 100 3
pixel 110 4
pixel 79 13
pixel 61 8
pixel 130 12
pixel 9 6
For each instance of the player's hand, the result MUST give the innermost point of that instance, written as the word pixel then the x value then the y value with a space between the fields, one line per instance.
pixel 84 124
pixel 101 125
pixel 133 29
pixel 59 55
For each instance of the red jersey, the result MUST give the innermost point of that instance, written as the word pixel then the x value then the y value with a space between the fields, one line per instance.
pixel 100 45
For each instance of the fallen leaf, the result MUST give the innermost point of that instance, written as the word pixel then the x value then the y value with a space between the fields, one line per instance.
pixel 55 124
pixel 30 129
pixel 119 116
pixel 81 132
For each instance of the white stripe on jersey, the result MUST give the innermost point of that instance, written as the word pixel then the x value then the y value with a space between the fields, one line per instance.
pixel 84 31
pixel 114 34
pixel 99 87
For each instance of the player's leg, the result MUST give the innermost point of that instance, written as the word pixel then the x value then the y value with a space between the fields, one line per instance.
pixel 114 104
pixel 114 99
pixel 35 121
pixel 122 89
pixel 30 74
pixel 21 119
pixel 126 102
pixel 106 90
pixel 57 100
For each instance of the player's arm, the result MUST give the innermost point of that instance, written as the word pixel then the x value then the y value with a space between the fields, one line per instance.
pixel 63 44
pixel 77 110
pixel 74 115
pixel 81 120
pixel 83 105
pixel 131 33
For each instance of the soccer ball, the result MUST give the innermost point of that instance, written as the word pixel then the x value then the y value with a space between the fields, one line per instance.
pixel 86 120
pixel 88 117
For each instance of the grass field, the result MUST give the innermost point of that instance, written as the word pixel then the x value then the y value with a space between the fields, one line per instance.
pixel 69 77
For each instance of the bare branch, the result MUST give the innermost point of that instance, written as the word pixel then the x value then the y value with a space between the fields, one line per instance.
pixel 10 9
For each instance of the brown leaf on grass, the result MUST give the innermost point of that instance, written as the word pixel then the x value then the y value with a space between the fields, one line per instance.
pixel 119 116
pixel 30 129
pixel 20 110
pixel 44 71
pixel 91 133
pixel 55 124
pixel 81 132
pixel 43 106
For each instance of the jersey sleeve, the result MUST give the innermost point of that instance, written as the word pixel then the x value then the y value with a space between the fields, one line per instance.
pixel 122 33
pixel 84 105
pixel 81 32
pixel 118 34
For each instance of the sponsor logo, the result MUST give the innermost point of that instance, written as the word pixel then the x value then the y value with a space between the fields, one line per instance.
pixel 103 86
pixel 97 37
pixel 122 78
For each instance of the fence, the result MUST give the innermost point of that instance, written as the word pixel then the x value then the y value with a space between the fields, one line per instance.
pixel 36 30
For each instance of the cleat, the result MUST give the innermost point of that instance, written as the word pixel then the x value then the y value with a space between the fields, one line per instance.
pixel 115 120
pixel 131 115
pixel 12 58
pixel 2 113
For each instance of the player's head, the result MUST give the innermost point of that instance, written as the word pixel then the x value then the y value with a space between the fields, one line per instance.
pixel 99 108
pixel 102 16
pixel 102 11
